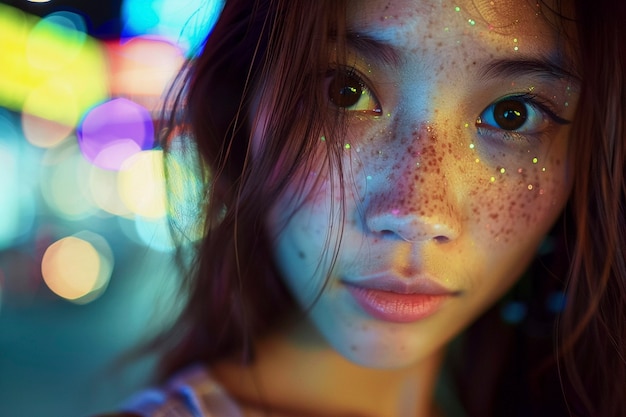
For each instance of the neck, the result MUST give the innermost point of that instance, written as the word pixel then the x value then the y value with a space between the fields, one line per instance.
pixel 297 373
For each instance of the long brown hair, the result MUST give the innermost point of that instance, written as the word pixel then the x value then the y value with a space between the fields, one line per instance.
pixel 234 292
pixel 592 331
pixel 278 51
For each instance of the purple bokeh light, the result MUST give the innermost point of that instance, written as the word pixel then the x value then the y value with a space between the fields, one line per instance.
pixel 114 131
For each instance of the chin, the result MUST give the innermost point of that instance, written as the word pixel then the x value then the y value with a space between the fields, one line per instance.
pixel 385 349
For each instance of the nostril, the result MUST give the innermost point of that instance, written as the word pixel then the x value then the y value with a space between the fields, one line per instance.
pixel 441 239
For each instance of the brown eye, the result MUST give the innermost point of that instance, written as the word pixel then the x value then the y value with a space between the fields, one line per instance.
pixel 521 114
pixel 344 90
pixel 510 114
pixel 347 91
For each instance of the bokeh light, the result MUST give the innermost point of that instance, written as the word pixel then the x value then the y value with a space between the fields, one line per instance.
pixel 154 233
pixel 45 64
pixel 55 41
pixel 142 184
pixel 142 68
pixel 185 190
pixel 114 131
pixel 17 205
pixel 65 184
pixel 44 133
pixel 78 268
pixel 513 312
pixel 103 187
pixel 60 86
pixel 187 22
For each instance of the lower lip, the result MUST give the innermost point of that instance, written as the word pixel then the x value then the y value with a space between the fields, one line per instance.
pixel 395 307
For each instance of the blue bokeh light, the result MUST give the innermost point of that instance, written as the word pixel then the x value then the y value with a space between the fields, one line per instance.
pixel 186 22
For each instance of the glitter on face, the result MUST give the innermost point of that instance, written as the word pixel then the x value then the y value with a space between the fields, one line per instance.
pixel 535 160
pixel 428 193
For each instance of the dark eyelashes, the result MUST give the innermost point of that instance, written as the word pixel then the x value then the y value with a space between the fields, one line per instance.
pixel 544 106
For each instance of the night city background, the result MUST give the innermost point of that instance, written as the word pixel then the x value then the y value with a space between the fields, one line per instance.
pixel 86 267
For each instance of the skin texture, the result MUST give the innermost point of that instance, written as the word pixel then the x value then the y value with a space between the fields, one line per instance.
pixel 433 191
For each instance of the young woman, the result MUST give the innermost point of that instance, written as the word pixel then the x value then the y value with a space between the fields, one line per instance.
pixel 376 175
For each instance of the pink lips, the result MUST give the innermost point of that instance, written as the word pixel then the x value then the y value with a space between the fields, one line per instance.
pixel 390 299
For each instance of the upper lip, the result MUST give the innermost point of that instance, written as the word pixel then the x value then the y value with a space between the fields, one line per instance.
pixel 390 282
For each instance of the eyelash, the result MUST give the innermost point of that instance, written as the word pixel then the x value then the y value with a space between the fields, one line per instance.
pixel 533 101
pixel 351 86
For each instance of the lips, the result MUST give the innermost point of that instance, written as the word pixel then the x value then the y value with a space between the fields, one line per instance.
pixel 396 300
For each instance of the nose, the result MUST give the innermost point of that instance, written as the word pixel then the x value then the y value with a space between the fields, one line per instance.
pixel 416 202
pixel 393 220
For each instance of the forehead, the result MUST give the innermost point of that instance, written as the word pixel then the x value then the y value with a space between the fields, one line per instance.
pixel 485 21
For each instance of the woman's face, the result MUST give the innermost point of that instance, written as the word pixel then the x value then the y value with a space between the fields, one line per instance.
pixel 456 166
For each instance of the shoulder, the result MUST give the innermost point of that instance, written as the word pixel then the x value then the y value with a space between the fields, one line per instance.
pixel 191 393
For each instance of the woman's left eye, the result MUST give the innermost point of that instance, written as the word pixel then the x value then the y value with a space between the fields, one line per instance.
pixel 514 114
pixel 517 116
pixel 347 91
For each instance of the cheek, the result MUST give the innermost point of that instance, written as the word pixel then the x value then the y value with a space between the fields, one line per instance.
pixel 496 195
pixel 523 200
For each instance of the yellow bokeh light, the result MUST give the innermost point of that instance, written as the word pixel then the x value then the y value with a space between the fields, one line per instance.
pixel 71 267
pixel 141 184
pixel 104 191
pixel 43 45
pixel 44 65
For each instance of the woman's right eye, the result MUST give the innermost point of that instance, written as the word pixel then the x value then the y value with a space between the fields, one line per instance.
pixel 347 91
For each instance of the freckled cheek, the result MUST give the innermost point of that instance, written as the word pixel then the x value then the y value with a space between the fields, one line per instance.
pixel 520 205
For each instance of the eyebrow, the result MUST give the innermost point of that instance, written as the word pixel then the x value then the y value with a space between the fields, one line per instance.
pixel 543 67
pixel 372 48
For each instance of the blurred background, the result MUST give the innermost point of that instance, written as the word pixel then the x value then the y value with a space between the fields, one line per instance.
pixel 86 267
